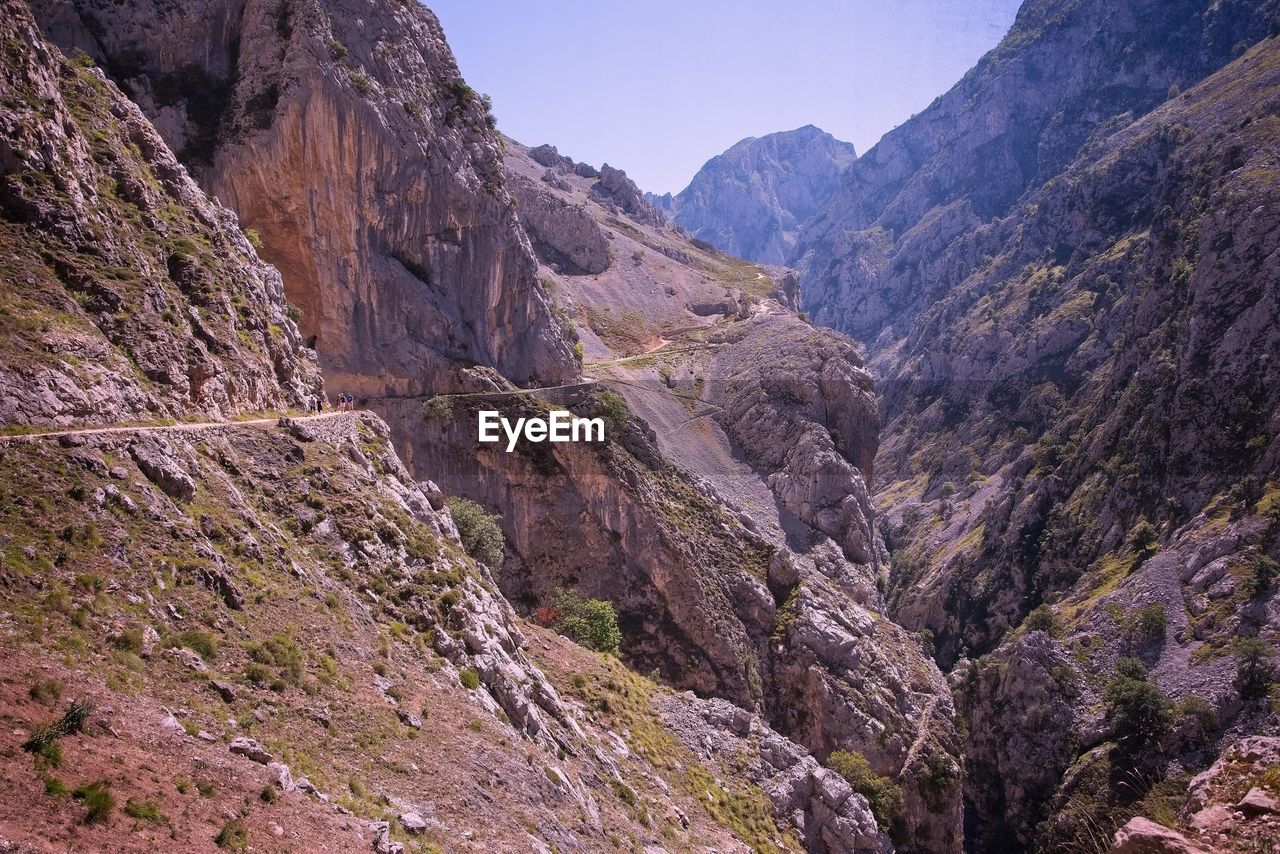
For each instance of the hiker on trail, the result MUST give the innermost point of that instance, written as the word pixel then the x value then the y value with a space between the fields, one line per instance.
pixel 342 402
pixel 351 403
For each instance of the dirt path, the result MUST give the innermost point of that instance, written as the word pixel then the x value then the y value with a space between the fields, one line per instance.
pixel 589 383
pixel 185 427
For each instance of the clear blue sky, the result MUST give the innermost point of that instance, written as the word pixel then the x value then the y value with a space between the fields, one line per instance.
pixel 656 87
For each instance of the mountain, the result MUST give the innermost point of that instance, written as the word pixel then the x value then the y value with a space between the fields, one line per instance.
pixel 252 594
pixel 1062 270
pixel 370 175
pixel 752 200
pixel 1014 122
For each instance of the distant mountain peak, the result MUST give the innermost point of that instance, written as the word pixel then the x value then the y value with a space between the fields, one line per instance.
pixel 752 199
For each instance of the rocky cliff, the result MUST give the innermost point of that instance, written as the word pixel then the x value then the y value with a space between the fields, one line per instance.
pixel 345 138
pixel 752 200
pixel 266 633
pixel 1064 271
pixel 1068 72
pixel 739 528
pixel 99 219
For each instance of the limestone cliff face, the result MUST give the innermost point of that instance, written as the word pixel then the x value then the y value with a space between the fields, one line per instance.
pixel 752 200
pixel 1067 73
pixel 1078 395
pixel 766 561
pixel 344 136
pixel 128 295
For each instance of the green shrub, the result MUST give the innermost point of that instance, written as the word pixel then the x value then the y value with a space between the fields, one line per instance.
pixel 255 239
pixel 613 409
pixel 480 533
pixel 1138 710
pixel 1149 623
pixel 438 408
pixel 1253 667
pixel 201 643
pixel 469 678
pixel 1262 574
pixel 233 837
pixel 590 622
pixel 282 653
pixel 1199 716
pixel 130 640
pixel 145 810
pixel 44 737
pixel 97 799
pixel 1042 619
pixel 882 793
pixel 1145 538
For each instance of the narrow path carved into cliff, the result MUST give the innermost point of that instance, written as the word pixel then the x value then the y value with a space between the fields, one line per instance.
pixel 186 427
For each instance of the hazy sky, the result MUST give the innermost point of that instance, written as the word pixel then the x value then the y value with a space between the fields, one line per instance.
pixel 656 87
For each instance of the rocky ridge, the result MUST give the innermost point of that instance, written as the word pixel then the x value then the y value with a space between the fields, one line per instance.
pixel 100 219
pixel 257 608
pixel 680 332
pixel 1076 388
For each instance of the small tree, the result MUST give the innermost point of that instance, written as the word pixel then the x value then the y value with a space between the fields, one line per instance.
pixel 1139 711
pixel 1253 667
pixel 591 622
pixel 1145 538
pixel 1262 574
pixel 1148 623
pixel 479 531
pixel 882 793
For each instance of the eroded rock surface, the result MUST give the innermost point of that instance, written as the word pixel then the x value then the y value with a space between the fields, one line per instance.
pixel 345 137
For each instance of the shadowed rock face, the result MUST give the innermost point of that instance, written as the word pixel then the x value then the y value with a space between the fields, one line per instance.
pixel 1069 71
pixel 752 200
pixel 344 136
pixel 1066 277
pixel 129 294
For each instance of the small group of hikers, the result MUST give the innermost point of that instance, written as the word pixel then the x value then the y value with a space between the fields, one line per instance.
pixel 343 403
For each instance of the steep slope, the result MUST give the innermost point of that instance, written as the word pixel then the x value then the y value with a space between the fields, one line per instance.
pixel 344 136
pixel 1098 431
pixel 1065 270
pixel 1079 399
pixel 1068 72
pixel 752 200
pixel 99 218
pixel 240 604
pixel 776 423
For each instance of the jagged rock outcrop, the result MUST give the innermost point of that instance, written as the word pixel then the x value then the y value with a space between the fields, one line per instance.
pixel 777 421
pixel 615 190
pixel 345 137
pixel 101 218
pixel 561 232
pixel 800 404
pixel 1067 74
pixel 752 200
pixel 825 812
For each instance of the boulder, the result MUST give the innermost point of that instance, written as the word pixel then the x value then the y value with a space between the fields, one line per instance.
pixel 1144 836
pixel 250 749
